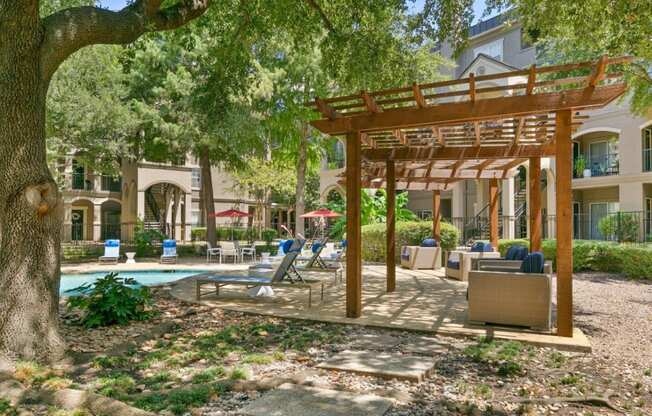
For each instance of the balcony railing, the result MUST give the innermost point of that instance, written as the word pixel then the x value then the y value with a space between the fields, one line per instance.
pixel 83 182
pixel 647 160
pixel 603 165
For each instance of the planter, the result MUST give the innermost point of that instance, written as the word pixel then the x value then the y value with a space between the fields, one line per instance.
pixel 587 173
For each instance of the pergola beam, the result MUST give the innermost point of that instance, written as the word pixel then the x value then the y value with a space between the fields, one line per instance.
pixel 412 153
pixel 459 112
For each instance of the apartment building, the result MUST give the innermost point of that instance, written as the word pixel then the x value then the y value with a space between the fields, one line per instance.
pixel 166 197
pixel 612 156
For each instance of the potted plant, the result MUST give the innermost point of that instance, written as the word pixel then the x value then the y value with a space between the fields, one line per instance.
pixel 580 168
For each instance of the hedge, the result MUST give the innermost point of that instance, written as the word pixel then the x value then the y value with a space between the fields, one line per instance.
pixel 224 234
pixel 407 233
pixel 600 256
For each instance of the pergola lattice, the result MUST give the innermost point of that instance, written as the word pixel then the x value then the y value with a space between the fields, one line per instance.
pixel 430 136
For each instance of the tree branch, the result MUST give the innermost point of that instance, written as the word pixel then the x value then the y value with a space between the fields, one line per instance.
pixel 324 18
pixel 69 30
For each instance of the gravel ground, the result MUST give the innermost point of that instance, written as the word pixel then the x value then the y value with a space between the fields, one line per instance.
pixel 616 314
pixel 470 378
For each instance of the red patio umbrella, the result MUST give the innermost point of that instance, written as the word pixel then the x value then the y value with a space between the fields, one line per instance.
pixel 231 213
pixel 321 213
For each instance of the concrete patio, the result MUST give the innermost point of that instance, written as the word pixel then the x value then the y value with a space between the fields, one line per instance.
pixel 423 301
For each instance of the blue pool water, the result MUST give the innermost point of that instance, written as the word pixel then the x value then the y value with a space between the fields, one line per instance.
pixel 147 278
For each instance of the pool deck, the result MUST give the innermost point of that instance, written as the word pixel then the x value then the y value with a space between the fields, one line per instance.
pixel 424 301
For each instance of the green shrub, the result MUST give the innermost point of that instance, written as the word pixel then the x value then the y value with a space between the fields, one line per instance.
pixel 144 239
pixel 622 226
pixel 268 235
pixel 603 256
pixel 198 234
pixel 504 245
pixel 407 233
pixel 111 300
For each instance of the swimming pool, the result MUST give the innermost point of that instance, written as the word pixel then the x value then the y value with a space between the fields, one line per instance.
pixel 147 278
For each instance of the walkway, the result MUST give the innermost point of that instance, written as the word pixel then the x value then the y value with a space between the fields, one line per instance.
pixel 423 301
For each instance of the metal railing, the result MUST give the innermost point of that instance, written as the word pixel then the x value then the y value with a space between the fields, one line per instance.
pixel 86 182
pixel 624 227
pixel 603 165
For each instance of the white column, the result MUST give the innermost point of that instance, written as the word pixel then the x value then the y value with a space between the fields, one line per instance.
pixel 507 197
pixel 141 205
pixel 188 216
pixel 97 222
pixel 67 221
pixel 551 199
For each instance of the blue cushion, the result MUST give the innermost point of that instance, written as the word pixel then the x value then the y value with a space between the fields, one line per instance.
pixel 315 247
pixel 429 242
pixel 112 243
pixel 286 245
pixel 453 264
pixel 343 243
pixel 169 243
pixel 512 253
pixel 533 263
pixel 487 248
pixel 522 253
pixel 477 247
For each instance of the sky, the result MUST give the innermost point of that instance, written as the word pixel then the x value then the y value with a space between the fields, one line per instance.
pixel 478 6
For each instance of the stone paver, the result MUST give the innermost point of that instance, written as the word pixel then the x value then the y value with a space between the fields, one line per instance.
pixel 425 346
pixel 293 400
pixel 383 365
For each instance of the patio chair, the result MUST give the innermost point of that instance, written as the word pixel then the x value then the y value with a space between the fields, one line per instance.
pixel 425 256
pixel 111 252
pixel 459 263
pixel 518 298
pixel 246 251
pixel 285 276
pixel 169 252
pixel 510 263
pixel 229 248
pixel 315 259
pixel 213 251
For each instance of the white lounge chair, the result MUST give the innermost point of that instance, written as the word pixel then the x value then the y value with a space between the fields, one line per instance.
pixel 169 252
pixel 111 252
pixel 229 248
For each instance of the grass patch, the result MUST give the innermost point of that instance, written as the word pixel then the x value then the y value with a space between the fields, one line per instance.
pixel 156 381
pixel 256 358
pixel 484 391
pixel 209 375
pixel 118 386
pixel 6 409
pixel 179 401
pixel 239 373
pixel 106 362
pixel 502 356
pixel 570 379
pixel 57 383
pixel 556 359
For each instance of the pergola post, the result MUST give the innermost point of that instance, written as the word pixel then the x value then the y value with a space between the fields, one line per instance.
pixel 535 204
pixel 353 227
pixel 493 212
pixel 436 215
pixel 564 152
pixel 391 226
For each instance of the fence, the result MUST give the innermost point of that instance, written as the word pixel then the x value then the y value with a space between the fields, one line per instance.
pixel 624 227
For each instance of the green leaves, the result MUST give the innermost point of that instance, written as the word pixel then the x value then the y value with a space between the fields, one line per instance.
pixel 111 300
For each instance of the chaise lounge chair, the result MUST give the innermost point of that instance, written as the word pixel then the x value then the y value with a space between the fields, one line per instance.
pixel 518 298
pixel 460 262
pixel 425 256
pixel 285 276
pixel 111 252
pixel 169 252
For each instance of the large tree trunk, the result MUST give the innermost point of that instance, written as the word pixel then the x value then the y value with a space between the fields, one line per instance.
pixel 302 160
pixel 207 195
pixel 31 208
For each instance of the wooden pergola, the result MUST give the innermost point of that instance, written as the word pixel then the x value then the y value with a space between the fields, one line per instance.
pixel 430 136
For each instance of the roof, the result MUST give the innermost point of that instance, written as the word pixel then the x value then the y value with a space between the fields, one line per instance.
pixel 485 57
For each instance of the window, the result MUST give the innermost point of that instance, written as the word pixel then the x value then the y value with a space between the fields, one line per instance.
pixel 647 149
pixel 196 178
pixel 196 217
pixel 424 214
pixel 493 49
pixel 528 37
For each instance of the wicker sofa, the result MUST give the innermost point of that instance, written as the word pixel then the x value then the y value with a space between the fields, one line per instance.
pixel 425 256
pixel 511 298
pixel 459 263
